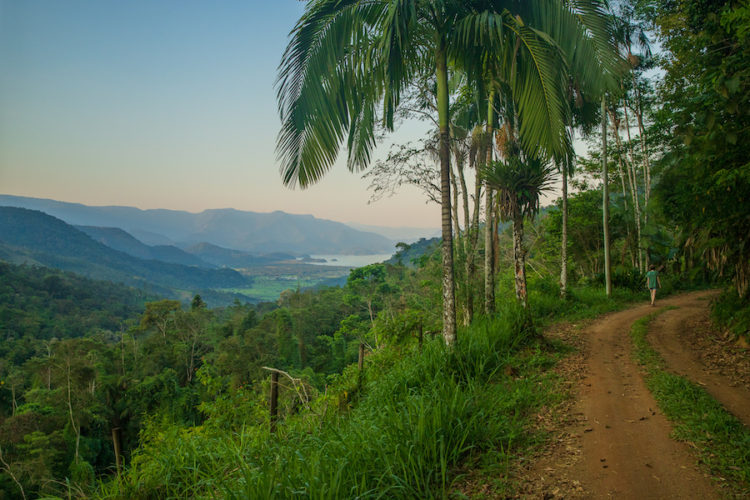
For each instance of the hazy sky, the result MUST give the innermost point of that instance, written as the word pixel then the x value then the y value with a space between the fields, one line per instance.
pixel 161 104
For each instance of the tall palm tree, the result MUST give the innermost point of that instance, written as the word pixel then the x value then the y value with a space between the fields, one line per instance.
pixel 346 58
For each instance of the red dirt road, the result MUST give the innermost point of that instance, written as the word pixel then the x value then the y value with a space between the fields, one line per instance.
pixel 614 442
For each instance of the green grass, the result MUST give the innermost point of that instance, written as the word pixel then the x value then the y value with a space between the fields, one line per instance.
pixel 723 443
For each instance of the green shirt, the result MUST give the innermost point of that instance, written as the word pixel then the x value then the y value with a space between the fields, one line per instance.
pixel 652 283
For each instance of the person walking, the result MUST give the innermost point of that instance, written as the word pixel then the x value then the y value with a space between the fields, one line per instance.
pixel 653 282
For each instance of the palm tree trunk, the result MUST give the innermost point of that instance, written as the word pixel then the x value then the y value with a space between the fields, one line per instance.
pixel 471 263
pixel 454 206
pixel 465 200
pixel 449 286
pixel 519 258
pixel 458 253
pixel 496 235
pixel 564 244
pixel 468 257
pixel 489 260
pixel 605 203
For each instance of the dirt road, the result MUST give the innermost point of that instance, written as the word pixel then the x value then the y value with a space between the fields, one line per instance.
pixel 614 442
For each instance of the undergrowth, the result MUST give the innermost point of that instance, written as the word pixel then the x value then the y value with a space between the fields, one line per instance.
pixel 401 432
pixel 410 426
pixel 721 439
pixel 730 312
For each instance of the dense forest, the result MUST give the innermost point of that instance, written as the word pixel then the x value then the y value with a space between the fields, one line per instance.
pixel 422 370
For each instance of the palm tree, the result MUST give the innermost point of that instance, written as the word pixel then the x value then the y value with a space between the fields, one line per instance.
pixel 519 182
pixel 346 58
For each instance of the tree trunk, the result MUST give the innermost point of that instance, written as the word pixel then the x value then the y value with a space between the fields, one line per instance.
pixel 496 235
pixel 638 111
pixel 605 203
pixel 641 264
pixel 13 404
pixel 458 248
pixel 76 429
pixel 454 206
pixel 489 260
pixel 465 200
pixel 449 287
pixel 564 244
pixel 618 142
pixel 633 182
pixel 519 258
pixel 468 250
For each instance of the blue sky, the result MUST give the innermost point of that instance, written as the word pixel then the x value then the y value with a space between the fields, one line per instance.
pixel 160 104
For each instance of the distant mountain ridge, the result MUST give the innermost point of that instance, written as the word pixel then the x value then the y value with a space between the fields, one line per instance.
pixel 38 238
pixel 228 228
pixel 118 239
pixel 399 234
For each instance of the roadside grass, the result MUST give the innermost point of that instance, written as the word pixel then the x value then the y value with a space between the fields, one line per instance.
pixel 721 440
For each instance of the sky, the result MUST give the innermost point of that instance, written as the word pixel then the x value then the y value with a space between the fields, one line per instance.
pixel 163 104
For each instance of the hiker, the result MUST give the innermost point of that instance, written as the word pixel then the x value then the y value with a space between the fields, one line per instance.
pixel 652 282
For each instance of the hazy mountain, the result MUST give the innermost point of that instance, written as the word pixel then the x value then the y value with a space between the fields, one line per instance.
pixel 120 240
pixel 248 231
pixel 399 234
pixel 35 237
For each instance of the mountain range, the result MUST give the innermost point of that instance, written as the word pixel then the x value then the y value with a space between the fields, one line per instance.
pixel 227 228
pixel 33 237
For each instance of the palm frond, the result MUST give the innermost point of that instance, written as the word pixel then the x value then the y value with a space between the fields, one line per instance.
pixel 324 88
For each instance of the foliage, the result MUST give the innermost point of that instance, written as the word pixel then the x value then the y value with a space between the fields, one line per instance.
pixel 705 182
pixel 409 255
pixel 41 303
pixel 732 313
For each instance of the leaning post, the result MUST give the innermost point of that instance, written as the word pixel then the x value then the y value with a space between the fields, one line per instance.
pixel 274 400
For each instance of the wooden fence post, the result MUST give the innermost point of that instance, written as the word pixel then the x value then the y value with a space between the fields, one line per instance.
pixel 421 336
pixel 274 400
pixel 116 444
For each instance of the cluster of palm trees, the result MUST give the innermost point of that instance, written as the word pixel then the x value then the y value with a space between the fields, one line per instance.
pixel 529 64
